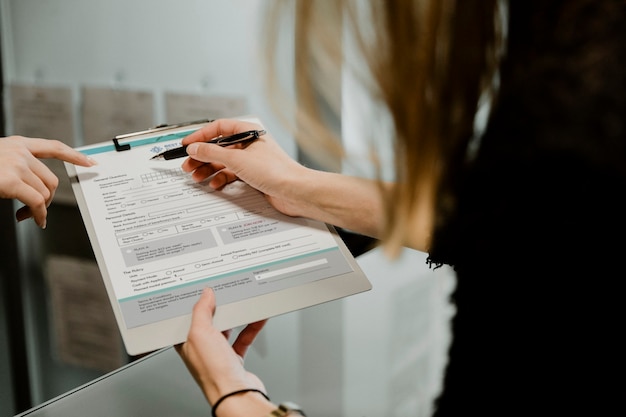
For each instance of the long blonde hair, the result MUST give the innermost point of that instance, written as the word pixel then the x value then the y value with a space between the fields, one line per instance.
pixel 428 63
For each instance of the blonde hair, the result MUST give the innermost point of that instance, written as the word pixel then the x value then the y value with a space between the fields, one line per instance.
pixel 427 63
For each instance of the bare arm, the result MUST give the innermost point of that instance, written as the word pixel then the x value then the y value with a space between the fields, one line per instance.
pixel 352 203
pixel 349 202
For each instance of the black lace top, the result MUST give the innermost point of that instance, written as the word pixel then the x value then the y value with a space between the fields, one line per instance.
pixel 538 236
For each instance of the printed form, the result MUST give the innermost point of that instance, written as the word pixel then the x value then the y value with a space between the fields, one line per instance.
pixel 160 238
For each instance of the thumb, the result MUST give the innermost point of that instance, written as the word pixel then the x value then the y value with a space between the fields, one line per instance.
pixel 205 152
pixel 204 309
pixel 231 158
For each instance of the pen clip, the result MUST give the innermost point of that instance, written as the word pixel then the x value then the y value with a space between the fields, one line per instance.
pixel 242 137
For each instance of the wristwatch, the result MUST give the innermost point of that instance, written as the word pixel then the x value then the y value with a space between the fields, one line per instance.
pixel 285 409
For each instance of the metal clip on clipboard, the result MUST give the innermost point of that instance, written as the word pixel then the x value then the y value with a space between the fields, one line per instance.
pixel 163 127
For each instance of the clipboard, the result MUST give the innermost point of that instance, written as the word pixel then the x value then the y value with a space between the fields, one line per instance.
pixel 159 239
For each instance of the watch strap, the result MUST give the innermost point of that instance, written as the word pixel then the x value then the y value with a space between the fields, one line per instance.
pixel 285 409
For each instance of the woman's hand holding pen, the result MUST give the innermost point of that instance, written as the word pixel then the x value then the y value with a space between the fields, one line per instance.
pixel 262 164
pixel 295 190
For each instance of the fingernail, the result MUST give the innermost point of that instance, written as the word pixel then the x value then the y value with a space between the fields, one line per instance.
pixel 192 149
pixel 92 161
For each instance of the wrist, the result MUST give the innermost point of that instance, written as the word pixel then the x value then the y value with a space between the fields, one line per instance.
pixel 249 401
pixel 297 193
pixel 247 404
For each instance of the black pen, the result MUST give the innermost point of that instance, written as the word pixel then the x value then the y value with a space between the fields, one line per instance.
pixel 243 137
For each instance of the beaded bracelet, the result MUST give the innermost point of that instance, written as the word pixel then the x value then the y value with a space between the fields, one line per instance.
pixel 241 391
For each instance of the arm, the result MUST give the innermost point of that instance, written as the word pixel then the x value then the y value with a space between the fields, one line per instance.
pixel 24 177
pixel 218 368
pixel 349 202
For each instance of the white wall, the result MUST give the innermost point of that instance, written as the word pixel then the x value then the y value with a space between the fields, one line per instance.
pixel 190 46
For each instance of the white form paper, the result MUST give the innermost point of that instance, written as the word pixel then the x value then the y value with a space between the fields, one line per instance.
pixel 161 238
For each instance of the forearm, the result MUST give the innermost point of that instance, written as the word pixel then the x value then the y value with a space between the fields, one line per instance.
pixel 355 204
pixel 348 202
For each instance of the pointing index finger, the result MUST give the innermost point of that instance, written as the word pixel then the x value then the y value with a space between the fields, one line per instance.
pixel 51 148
